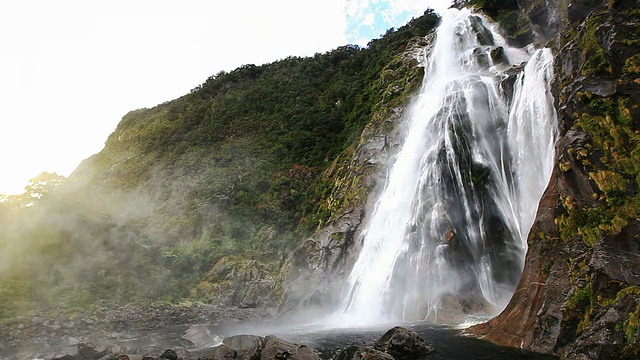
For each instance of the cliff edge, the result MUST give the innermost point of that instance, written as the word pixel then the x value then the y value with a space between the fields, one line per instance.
pixel 579 294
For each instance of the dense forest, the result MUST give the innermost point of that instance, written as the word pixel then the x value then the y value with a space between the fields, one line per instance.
pixel 238 169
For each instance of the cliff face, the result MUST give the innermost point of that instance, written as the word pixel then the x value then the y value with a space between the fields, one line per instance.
pixel 315 271
pixel 579 295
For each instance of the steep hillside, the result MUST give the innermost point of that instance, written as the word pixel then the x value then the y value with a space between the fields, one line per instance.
pixel 579 295
pixel 236 173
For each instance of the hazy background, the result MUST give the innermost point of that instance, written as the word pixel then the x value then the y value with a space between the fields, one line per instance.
pixel 69 70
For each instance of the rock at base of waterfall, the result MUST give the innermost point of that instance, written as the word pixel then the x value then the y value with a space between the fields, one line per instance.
pixel 361 353
pixel 453 309
pixel 169 354
pixel 244 344
pixel 276 348
pixel 222 352
pixel 91 351
pixel 403 343
pixel 199 336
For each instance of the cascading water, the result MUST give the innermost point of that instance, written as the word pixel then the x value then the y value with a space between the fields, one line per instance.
pixel 447 237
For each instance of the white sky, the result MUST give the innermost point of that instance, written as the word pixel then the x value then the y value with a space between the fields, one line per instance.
pixel 69 70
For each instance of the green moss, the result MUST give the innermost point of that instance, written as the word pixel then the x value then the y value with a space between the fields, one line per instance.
pixel 580 222
pixel 630 326
pixel 632 65
pixel 601 105
pixel 596 65
pixel 579 306
pixel 624 113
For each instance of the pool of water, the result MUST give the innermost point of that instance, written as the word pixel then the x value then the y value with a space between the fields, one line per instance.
pixel 449 342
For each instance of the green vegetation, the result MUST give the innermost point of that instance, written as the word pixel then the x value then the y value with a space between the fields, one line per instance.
pixel 611 156
pixel 495 7
pixel 614 148
pixel 236 167
pixel 632 323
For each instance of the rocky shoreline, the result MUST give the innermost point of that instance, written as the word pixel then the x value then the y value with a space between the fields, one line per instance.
pixel 175 332
pixel 205 331
pixel 397 343
pixel 132 328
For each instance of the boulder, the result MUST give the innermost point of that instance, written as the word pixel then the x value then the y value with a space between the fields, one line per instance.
pixel 222 352
pixel 362 353
pixel 169 354
pixel 276 348
pixel 244 344
pixel 199 336
pixel 403 344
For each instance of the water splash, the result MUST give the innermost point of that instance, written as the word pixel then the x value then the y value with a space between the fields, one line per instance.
pixel 447 237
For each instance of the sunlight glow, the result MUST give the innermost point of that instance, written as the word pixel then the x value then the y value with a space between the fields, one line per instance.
pixel 71 69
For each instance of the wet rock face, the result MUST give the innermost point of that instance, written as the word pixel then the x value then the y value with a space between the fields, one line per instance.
pixel 315 271
pixel 579 295
pixel 316 268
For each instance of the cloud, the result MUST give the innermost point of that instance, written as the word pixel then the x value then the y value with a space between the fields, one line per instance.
pixel 368 19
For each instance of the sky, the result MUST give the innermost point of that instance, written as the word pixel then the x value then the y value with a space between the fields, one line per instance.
pixel 70 69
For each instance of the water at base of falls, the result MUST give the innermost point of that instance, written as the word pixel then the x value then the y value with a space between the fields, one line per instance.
pixel 447 237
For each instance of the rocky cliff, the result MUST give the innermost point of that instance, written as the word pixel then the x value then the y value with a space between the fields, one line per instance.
pixel 579 295
pixel 315 271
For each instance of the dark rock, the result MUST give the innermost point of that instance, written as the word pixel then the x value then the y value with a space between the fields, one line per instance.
pixel 578 11
pixel 403 344
pixel 90 351
pixel 481 55
pixel 459 4
pixel 600 87
pixel 484 35
pixel 362 353
pixel 169 354
pixel 275 348
pixel 182 353
pixel 498 56
pixel 244 343
pixel 223 352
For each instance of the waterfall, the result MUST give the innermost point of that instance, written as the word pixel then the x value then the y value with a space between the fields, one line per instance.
pixel 447 237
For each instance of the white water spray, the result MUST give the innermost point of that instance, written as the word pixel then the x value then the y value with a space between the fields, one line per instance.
pixel 447 237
